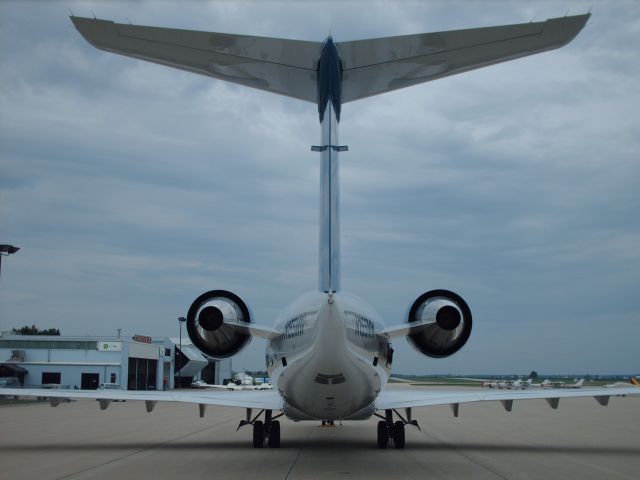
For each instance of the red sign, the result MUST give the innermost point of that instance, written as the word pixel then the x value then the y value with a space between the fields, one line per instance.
pixel 142 338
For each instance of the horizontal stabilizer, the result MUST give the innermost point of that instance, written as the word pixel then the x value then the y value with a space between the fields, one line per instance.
pixel 380 65
pixel 369 67
pixel 287 67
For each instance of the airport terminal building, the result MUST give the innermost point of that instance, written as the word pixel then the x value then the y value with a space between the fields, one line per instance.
pixel 136 363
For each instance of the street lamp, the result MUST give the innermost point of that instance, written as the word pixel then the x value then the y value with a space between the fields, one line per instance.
pixel 6 250
pixel 181 320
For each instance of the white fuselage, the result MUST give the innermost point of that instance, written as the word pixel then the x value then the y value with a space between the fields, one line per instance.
pixel 329 363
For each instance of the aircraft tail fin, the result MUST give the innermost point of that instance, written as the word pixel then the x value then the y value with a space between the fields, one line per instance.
pixel 380 65
pixel 277 65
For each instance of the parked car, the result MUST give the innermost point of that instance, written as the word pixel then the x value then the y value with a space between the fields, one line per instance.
pixel 111 387
pixel 9 382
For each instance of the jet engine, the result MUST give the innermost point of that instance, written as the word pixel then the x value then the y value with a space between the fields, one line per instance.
pixel 445 323
pixel 209 323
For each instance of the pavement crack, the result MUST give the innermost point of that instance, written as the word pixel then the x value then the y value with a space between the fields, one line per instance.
pixel 142 450
pixel 465 455
pixel 295 460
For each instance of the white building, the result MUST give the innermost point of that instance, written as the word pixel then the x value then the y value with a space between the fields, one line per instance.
pixel 138 363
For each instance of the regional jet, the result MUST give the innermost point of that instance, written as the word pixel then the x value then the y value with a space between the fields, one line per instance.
pixel 329 355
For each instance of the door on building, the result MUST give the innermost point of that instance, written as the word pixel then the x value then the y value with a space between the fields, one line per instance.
pixel 142 374
pixel 90 381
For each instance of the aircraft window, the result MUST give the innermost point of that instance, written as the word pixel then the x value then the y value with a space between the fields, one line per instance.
pixel 295 326
pixel 363 326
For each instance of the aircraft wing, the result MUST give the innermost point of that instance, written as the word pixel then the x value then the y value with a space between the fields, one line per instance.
pixel 408 398
pixel 287 67
pixel 379 65
pixel 269 400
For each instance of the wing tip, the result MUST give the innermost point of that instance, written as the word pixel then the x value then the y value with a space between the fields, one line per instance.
pixel 564 29
pixel 93 30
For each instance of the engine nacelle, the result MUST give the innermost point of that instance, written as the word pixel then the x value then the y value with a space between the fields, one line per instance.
pixel 448 323
pixel 206 328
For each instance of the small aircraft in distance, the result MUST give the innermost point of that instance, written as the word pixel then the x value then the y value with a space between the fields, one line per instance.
pixel 543 384
pixel 506 384
pixel 560 384
pixel 632 381
pixel 232 386
pixel 578 384
pixel 500 384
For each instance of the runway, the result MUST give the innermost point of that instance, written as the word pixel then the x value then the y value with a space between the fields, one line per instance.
pixel 78 441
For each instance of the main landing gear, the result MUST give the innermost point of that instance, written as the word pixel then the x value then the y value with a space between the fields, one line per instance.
pixel 393 432
pixel 263 432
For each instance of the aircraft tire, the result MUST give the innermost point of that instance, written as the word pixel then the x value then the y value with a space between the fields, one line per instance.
pixel 258 434
pixel 383 434
pixel 398 434
pixel 274 434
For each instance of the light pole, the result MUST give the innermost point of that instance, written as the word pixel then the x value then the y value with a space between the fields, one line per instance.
pixel 6 250
pixel 181 320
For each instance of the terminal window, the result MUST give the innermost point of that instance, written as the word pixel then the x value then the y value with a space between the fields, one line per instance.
pixel 51 377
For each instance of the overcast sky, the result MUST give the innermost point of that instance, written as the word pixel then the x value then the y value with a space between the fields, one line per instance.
pixel 132 188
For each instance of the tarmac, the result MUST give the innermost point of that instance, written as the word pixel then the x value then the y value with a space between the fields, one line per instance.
pixel 78 441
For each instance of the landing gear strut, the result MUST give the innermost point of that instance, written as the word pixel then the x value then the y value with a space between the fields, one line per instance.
pixel 393 432
pixel 267 431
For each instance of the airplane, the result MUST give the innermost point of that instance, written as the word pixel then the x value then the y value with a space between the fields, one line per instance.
pixel 632 381
pixel 544 384
pixel 578 384
pixel 500 384
pixel 560 384
pixel 329 355
pixel 231 386
pixel 506 384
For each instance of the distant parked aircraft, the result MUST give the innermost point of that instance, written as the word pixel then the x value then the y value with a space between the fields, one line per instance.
pixel 231 386
pixel 543 384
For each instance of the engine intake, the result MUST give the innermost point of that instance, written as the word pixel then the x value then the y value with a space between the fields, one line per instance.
pixel 206 323
pixel 447 320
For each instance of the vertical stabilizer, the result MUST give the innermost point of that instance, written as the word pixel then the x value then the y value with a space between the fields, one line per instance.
pixel 329 102
pixel 329 257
